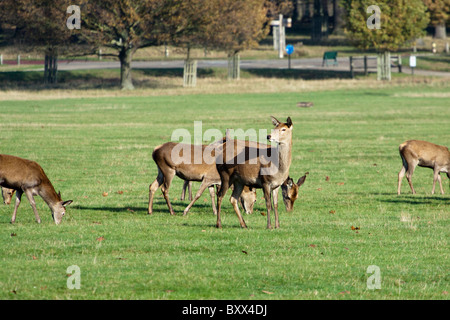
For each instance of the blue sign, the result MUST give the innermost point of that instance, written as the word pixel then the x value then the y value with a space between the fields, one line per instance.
pixel 289 49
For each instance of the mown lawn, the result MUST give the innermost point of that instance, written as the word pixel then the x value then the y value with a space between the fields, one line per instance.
pixel 97 151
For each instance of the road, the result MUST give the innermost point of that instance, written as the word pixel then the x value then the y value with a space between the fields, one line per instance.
pixel 296 64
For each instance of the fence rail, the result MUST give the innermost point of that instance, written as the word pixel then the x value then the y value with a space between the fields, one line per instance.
pixel 369 63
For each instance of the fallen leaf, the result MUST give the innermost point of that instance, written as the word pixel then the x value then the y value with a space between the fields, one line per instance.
pixel 34 258
pixel 105 194
pixel 120 192
pixel 262 213
pixel 332 211
pixel 13 234
pixel 319 189
pixel 130 210
pixel 344 292
pixel 100 238
pixel 312 245
pixel 354 228
pixel 267 292
pixel 340 183
pixel 14 291
pixel 121 258
pixel 444 292
pixel 327 178
pixel 243 251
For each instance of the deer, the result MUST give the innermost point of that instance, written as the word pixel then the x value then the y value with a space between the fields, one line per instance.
pixel 27 176
pixel 289 191
pixel 257 166
pixel 423 154
pixel 7 195
pixel 189 170
pixel 247 199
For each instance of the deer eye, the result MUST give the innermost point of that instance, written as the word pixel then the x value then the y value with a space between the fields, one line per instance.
pixel 283 129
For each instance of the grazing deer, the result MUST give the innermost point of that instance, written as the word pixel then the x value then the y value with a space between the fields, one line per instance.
pixel 257 166
pixel 289 191
pixel 189 170
pixel 26 176
pixel 7 195
pixel 423 154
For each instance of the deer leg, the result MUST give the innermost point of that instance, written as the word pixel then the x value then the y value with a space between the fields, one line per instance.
pixel 224 185
pixel 152 189
pixel 190 190
pixel 437 176
pixel 213 195
pixel 401 174
pixel 200 191
pixel 235 202
pixel 168 177
pixel 409 174
pixel 30 197
pixel 440 183
pixel 183 192
pixel 275 206
pixel 266 190
pixel 16 206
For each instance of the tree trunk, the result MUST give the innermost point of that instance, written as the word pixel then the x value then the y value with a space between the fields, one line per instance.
pixel 51 66
pixel 338 17
pixel 439 31
pixel 125 57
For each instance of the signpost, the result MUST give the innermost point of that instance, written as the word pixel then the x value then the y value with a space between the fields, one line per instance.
pixel 289 51
pixel 412 63
pixel 279 36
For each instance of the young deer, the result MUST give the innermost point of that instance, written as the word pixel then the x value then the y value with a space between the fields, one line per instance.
pixel 188 170
pixel 289 191
pixel 7 195
pixel 423 154
pixel 27 177
pixel 257 166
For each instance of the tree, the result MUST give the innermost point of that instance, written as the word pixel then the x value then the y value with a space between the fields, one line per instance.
pixel 125 26
pixel 400 21
pixel 241 25
pixel 439 16
pixel 40 24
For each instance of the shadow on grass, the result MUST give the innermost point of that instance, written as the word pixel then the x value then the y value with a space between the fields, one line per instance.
pixel 297 74
pixel 417 200
pixel 146 78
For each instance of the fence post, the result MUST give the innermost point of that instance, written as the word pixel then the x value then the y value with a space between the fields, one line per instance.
pixel 190 73
pixel 351 67
pixel 1 59
pixel 234 66
pixel 18 59
pixel 366 71
pixel 399 63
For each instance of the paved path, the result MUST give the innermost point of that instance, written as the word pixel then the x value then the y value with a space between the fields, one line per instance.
pixel 306 64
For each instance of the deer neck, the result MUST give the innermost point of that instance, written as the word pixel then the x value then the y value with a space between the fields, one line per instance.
pixel 48 193
pixel 285 156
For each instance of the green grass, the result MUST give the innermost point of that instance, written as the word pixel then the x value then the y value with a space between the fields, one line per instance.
pixel 89 146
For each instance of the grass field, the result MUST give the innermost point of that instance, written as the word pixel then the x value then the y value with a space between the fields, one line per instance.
pixel 348 216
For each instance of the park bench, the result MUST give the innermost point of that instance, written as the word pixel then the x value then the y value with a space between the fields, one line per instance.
pixel 330 57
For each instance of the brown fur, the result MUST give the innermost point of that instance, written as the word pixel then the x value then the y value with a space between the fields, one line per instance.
pixel 26 176
pixel 423 154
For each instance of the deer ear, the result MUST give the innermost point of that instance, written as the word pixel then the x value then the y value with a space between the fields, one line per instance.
pixel 289 122
pixel 302 179
pixel 275 122
pixel 66 203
